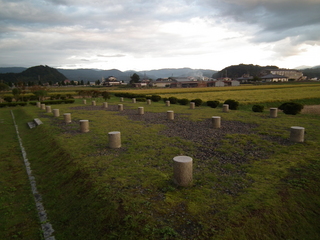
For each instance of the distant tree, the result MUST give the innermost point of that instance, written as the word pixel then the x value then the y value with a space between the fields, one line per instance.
pixel 105 95
pixel 98 82
pixel 135 78
pixel 88 83
pixel 16 92
pixel 39 91
pixel 81 82
pixel 3 88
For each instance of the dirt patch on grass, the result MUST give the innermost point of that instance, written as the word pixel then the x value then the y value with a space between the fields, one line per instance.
pixel 311 109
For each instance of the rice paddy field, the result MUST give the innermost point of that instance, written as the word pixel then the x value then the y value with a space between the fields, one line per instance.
pixel 249 180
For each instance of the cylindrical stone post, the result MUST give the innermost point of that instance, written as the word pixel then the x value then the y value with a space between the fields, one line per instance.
pixel 148 101
pixel 297 134
pixel 39 104
pixel 105 105
pixel 182 170
pixel 225 107
pixel 192 105
pixel 48 109
pixel 84 101
pixel 134 100
pixel 67 117
pixel 43 106
pixel 140 110
pixel 216 122
pixel 121 99
pixel 114 139
pixel 170 115
pixel 120 107
pixel 94 103
pixel 168 103
pixel 273 112
pixel 56 112
pixel 84 126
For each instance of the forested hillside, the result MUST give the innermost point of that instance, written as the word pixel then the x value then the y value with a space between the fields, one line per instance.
pixel 35 74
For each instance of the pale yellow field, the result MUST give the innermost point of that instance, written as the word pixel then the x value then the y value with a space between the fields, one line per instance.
pixel 243 94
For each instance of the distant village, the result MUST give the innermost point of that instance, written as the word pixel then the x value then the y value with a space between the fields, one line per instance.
pixel 272 75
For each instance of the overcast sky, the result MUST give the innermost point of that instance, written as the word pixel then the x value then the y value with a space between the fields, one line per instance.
pixel 154 34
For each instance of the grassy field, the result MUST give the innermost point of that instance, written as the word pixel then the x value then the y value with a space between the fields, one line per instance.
pixel 93 192
pixel 243 94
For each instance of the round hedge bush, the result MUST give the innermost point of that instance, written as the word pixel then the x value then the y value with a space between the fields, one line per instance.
pixel 213 104
pixel 291 108
pixel 233 104
pixel 173 100
pixel 183 101
pixel 155 98
pixel 257 108
pixel 197 102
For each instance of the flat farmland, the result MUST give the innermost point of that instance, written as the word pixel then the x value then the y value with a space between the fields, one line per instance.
pixel 243 94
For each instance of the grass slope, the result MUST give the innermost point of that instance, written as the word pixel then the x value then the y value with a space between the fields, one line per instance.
pixel 18 217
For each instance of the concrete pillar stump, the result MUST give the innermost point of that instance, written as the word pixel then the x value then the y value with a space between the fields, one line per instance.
pixel 84 126
pixel 43 106
pixel 140 110
pixel 56 112
pixel 67 117
pixel 94 103
pixel 216 122
pixel 105 105
pixel 84 101
pixel 148 101
pixel 168 103
pixel 297 134
pixel 120 107
pixel 273 112
pixel 121 99
pixel 39 104
pixel 48 109
pixel 192 105
pixel 225 107
pixel 114 139
pixel 182 170
pixel 134 100
pixel 170 115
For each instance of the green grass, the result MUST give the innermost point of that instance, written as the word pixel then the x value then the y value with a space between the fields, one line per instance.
pixel 18 216
pixel 93 192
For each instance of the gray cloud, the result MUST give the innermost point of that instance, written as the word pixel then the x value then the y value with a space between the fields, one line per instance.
pixel 75 30
pixel 276 19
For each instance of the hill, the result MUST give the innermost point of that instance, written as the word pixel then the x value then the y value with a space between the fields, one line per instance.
pixel 34 74
pixel 236 71
pixel 312 72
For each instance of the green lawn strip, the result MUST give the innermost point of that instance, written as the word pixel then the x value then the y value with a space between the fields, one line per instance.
pixel 19 219
pixel 128 193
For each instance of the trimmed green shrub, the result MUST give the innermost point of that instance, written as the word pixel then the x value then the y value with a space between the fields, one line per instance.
pixel 257 108
pixel 291 108
pixel 213 104
pixel 8 99
pixel 233 104
pixel 12 104
pixel 173 100
pixel 183 101
pixel 197 102
pixel 141 99
pixel 155 98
